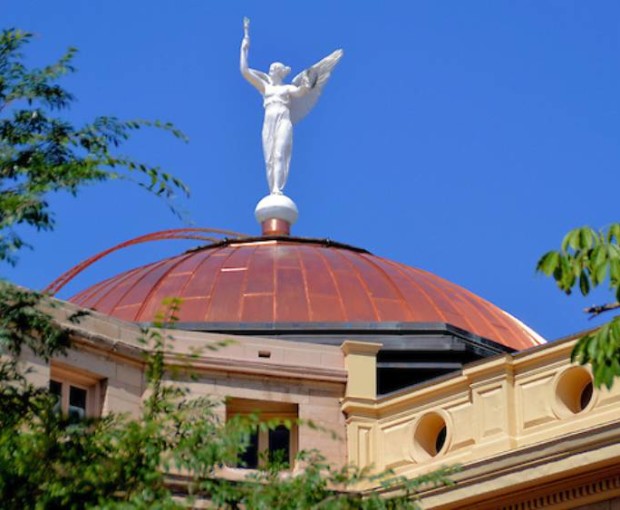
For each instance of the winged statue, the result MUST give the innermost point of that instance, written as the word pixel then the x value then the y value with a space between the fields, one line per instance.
pixel 285 105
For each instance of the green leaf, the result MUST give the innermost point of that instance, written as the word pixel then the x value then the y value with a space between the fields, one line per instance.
pixel 584 283
pixel 614 270
pixel 567 276
pixel 599 255
pixel 548 262
pixel 587 238
pixel 571 240
pixel 613 233
pixel 599 273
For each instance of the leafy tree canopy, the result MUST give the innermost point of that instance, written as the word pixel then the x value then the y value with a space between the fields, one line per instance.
pixel 40 152
pixel 587 259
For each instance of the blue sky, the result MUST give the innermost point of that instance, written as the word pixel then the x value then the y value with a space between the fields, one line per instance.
pixel 464 138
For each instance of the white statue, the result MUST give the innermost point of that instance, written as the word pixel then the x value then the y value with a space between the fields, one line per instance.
pixel 285 105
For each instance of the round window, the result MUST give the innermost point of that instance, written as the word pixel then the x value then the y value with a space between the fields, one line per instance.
pixel 429 437
pixel 574 391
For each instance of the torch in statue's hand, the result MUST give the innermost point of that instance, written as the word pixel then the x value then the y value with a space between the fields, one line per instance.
pixel 246 28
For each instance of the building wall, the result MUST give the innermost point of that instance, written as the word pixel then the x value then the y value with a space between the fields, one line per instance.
pixel 121 382
pixel 316 401
pixel 527 429
pixel 516 424
pixel 108 358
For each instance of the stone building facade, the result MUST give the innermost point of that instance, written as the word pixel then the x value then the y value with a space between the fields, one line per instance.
pixel 411 372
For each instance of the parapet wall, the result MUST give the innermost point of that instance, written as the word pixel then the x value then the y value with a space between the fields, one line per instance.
pixel 510 421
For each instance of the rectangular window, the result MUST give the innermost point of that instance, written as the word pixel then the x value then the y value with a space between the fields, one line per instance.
pixel 79 394
pixel 249 458
pixel 279 442
pixel 77 401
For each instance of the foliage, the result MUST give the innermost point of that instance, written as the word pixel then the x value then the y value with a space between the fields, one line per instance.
pixel 177 445
pixel 40 152
pixel 587 259
pixel 48 460
pixel 324 486
pixel 24 324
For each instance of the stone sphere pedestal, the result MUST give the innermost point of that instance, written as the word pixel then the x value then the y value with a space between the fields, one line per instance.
pixel 276 214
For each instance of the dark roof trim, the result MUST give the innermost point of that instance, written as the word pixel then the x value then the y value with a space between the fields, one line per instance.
pixel 328 243
pixel 371 330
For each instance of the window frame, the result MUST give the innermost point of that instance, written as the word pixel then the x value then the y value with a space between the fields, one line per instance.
pixel 69 377
pixel 267 411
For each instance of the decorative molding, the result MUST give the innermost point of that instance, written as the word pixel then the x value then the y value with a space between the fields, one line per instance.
pixel 254 368
pixel 598 490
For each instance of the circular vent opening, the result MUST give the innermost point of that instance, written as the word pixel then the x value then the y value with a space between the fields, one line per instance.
pixel 574 390
pixel 430 436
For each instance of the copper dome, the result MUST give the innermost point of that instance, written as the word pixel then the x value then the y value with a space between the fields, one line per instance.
pixel 290 280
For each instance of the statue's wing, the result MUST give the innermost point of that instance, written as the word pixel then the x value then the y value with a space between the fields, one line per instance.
pixel 318 75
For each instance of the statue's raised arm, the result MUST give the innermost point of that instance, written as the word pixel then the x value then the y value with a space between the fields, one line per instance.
pixel 256 78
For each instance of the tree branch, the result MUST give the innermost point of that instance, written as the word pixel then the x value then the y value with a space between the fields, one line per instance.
pixel 599 309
